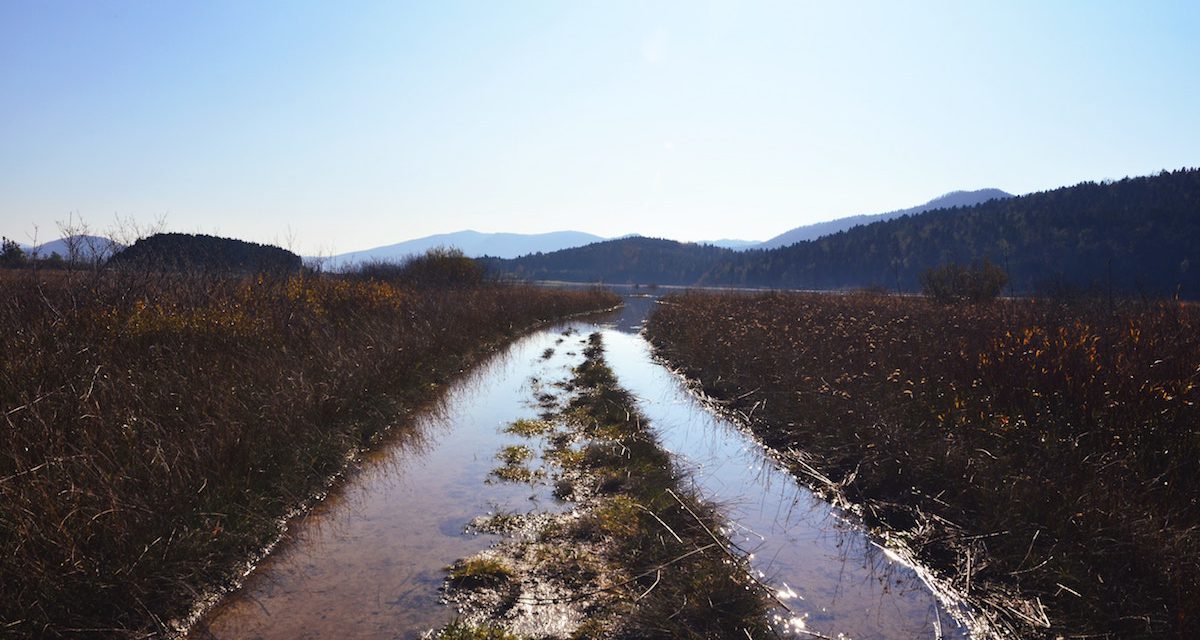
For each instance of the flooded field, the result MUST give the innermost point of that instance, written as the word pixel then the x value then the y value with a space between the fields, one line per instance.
pixel 369 561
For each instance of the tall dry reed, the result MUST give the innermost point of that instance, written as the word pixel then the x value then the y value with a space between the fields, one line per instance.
pixel 154 427
pixel 1025 446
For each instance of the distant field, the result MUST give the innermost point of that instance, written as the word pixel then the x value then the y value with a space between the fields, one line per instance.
pixel 154 428
pixel 1022 447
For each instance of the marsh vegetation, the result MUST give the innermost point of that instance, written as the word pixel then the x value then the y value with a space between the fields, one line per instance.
pixel 1041 456
pixel 158 425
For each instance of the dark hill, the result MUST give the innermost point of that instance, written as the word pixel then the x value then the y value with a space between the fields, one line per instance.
pixel 624 260
pixel 1138 235
pixel 1135 236
pixel 820 229
pixel 186 252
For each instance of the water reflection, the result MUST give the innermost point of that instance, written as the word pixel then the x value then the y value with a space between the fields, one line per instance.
pixel 830 575
pixel 368 562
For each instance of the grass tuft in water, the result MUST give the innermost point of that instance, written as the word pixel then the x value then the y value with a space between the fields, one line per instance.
pixel 463 631
pixel 515 454
pixel 530 428
pixel 479 571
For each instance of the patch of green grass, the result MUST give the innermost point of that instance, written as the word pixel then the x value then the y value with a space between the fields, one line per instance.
pixel 479 571
pixel 463 631
pixel 515 454
pixel 530 428
pixel 518 473
pixel 565 457
pixel 499 522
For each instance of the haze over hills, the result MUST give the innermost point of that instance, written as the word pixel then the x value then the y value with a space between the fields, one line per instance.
pixel 472 243
pixel 727 243
pixel 819 229
pixel 476 244
pixel 86 247
pixel 1139 235
pixel 513 245
pixel 1135 236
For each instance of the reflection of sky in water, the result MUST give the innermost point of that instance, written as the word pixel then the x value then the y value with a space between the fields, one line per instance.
pixel 367 562
pixel 830 575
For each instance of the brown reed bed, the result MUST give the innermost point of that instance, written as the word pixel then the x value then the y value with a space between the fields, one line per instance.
pixel 155 427
pixel 1026 449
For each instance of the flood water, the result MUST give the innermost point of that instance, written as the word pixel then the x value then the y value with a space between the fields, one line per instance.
pixel 368 561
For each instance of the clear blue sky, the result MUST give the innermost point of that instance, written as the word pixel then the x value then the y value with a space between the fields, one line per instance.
pixel 345 125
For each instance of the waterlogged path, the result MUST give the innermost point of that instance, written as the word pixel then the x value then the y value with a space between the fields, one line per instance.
pixel 368 562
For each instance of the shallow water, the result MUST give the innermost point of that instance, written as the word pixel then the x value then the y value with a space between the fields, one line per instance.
pixel 368 561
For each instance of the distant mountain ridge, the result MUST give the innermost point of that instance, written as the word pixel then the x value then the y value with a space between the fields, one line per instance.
pixel 85 247
pixel 1133 236
pixel 473 244
pixel 820 229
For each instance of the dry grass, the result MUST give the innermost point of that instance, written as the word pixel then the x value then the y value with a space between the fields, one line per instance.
pixel 1055 449
pixel 154 427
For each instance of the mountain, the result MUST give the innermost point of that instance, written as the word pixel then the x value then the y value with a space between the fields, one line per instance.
pixel 187 252
pixel 1136 236
pixel 633 259
pixel 84 246
pixel 736 245
pixel 472 243
pixel 814 231
pixel 1133 236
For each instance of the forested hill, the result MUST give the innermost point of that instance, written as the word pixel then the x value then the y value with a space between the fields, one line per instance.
pixel 1137 235
pixel 945 201
pixel 186 252
pixel 1145 232
pixel 625 260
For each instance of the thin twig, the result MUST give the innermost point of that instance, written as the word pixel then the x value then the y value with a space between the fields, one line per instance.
pixel 769 591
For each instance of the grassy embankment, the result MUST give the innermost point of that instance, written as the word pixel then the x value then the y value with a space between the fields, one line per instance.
pixel 640 555
pixel 1023 447
pixel 154 428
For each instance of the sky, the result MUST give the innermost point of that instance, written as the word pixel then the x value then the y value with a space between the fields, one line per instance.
pixel 329 127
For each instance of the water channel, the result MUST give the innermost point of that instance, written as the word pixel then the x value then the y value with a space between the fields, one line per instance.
pixel 367 562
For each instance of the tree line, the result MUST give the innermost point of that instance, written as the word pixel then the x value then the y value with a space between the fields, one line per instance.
pixel 1132 236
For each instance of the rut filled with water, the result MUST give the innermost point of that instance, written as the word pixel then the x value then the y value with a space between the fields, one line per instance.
pixel 369 561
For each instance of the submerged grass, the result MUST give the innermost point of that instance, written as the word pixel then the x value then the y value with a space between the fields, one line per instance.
pixel 461 631
pixel 515 454
pixel 154 428
pixel 1025 447
pixel 530 428
pixel 479 571
pixel 642 555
